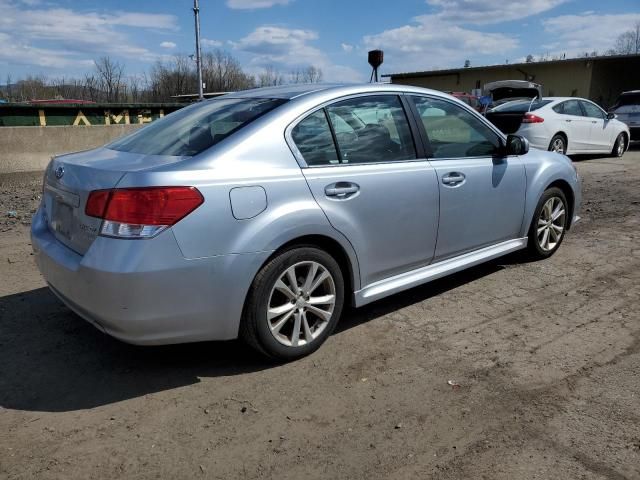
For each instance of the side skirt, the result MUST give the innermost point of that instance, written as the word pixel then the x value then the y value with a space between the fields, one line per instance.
pixel 413 278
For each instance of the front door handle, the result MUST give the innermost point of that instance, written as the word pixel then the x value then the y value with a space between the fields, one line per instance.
pixel 453 178
pixel 568 120
pixel 341 190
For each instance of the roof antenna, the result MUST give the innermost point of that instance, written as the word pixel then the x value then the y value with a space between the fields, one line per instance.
pixel 376 58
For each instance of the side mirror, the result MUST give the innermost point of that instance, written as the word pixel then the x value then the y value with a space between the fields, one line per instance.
pixel 611 116
pixel 517 145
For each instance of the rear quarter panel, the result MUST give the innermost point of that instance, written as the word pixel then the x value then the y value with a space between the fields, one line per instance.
pixel 257 157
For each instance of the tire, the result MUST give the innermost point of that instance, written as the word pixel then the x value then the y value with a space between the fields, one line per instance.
pixel 272 293
pixel 558 144
pixel 542 245
pixel 619 146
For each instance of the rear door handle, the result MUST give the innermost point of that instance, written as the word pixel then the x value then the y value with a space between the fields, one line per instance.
pixel 341 190
pixel 568 120
pixel 453 178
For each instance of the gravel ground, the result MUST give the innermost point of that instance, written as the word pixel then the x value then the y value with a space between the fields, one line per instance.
pixel 545 358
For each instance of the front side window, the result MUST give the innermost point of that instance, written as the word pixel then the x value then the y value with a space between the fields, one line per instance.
pixel 193 129
pixel 454 132
pixel 313 138
pixel 592 111
pixel 372 129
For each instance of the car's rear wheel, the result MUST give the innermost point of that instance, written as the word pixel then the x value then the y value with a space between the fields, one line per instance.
pixel 620 146
pixel 558 144
pixel 549 224
pixel 294 304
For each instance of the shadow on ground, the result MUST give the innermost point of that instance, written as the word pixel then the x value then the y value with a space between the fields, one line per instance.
pixel 51 360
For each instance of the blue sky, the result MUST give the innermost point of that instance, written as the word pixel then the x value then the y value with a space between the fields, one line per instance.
pixel 62 37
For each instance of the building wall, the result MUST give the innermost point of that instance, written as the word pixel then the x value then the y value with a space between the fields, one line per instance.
pixel 564 79
pixel 27 149
pixel 613 76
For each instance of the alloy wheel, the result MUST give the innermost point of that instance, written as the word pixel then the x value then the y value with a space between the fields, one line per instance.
pixel 557 146
pixel 301 303
pixel 621 145
pixel 551 223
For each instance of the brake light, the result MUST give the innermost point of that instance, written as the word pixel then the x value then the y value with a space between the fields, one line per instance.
pixel 141 212
pixel 531 118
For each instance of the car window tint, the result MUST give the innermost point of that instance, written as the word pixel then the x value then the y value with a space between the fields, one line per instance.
pixel 372 129
pixel 592 111
pixel 453 131
pixel 193 129
pixel 313 138
pixel 571 107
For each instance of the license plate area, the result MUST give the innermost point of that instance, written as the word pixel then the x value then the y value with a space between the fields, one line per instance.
pixel 62 219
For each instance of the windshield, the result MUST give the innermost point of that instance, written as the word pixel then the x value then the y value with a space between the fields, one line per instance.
pixel 193 129
pixel 521 106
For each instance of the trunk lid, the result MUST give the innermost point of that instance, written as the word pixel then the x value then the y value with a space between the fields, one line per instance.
pixel 70 178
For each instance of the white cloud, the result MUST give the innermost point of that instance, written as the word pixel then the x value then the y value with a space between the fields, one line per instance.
pixel 433 43
pixel 206 42
pixel 347 47
pixel 577 34
pixel 168 45
pixel 251 4
pixel 286 48
pixel 445 39
pixel 489 11
pixel 63 38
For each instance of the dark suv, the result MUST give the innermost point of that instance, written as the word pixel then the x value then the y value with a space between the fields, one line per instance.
pixel 627 110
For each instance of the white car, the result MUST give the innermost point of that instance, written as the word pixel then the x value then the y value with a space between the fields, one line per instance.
pixel 563 124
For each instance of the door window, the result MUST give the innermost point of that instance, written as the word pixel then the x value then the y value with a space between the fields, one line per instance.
pixel 372 129
pixel 592 111
pixel 570 107
pixel 454 132
pixel 313 138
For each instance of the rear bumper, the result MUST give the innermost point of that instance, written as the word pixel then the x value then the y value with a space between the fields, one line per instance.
pixel 144 291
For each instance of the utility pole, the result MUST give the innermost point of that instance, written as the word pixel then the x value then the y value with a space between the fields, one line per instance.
pixel 196 13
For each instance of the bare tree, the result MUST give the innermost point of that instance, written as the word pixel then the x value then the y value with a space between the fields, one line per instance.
pixel 269 77
pixel 109 74
pixel 629 41
pixel 312 75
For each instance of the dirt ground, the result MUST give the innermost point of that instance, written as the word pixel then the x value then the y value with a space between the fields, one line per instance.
pixel 546 356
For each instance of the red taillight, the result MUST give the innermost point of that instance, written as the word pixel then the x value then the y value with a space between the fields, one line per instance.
pixel 144 206
pixel 531 118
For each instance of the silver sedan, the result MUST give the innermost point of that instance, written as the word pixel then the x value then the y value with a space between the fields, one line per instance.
pixel 260 214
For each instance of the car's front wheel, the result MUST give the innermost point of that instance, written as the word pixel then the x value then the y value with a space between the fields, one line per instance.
pixel 619 146
pixel 294 304
pixel 549 224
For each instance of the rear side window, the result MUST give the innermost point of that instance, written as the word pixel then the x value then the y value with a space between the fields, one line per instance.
pixel 372 129
pixel 570 107
pixel 454 132
pixel 313 138
pixel 193 129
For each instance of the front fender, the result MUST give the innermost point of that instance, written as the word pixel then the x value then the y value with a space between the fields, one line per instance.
pixel 542 170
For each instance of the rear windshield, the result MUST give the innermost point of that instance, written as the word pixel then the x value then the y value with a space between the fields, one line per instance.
pixel 629 99
pixel 193 129
pixel 520 106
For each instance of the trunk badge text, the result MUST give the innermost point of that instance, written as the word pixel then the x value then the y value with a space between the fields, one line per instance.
pixel 59 172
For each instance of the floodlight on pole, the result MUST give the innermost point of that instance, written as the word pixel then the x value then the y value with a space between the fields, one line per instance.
pixel 375 58
pixel 196 13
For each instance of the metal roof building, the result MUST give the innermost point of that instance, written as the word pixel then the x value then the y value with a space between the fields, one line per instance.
pixel 600 79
